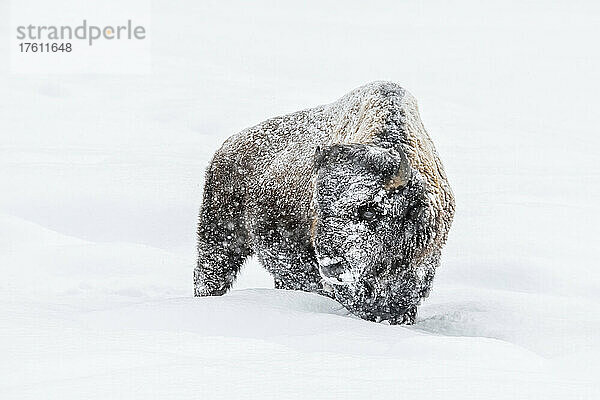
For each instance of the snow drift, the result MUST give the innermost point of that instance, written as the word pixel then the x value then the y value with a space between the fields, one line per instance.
pixel 100 194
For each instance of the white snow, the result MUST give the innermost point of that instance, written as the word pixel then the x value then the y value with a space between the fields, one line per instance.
pixel 101 179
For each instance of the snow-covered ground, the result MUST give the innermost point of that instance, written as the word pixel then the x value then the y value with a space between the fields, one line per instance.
pixel 101 179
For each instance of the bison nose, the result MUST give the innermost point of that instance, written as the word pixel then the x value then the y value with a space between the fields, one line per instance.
pixel 331 268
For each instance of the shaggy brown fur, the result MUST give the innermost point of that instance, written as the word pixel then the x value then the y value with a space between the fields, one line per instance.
pixel 266 193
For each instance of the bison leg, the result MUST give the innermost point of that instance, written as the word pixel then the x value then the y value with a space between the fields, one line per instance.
pixel 221 252
pixel 222 240
pixel 409 317
pixel 297 273
pixel 297 279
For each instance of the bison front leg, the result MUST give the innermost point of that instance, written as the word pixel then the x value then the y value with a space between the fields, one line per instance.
pixel 299 273
pixel 303 277
pixel 409 316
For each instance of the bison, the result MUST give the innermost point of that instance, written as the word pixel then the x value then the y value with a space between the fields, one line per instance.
pixel 349 200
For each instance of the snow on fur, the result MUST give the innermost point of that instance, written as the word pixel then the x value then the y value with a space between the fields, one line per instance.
pixel 348 199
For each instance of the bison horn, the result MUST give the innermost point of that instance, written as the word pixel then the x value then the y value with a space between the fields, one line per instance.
pixel 402 175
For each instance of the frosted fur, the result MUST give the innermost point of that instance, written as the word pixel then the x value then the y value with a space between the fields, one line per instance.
pixel 348 199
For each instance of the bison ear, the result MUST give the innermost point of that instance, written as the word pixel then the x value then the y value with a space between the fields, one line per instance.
pixel 402 173
pixel 319 156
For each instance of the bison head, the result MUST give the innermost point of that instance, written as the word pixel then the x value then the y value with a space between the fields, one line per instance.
pixel 370 231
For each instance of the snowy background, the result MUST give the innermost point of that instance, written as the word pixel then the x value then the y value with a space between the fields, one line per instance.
pixel 101 179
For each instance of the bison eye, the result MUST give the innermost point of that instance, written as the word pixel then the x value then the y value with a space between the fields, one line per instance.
pixel 367 213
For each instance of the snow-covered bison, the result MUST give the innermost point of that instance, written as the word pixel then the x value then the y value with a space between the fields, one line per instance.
pixel 349 200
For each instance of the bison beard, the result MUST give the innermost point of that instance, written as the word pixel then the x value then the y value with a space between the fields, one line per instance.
pixel 349 200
